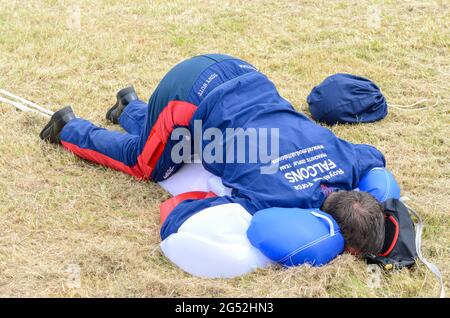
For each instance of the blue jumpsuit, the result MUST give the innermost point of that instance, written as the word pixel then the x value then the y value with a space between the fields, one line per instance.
pixel 224 92
pixel 144 150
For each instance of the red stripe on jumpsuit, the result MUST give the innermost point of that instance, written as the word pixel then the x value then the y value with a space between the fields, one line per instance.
pixel 176 113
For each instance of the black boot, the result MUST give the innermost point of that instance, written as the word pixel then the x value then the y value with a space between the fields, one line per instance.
pixel 59 119
pixel 124 97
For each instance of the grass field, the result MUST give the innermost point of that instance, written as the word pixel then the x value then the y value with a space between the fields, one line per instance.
pixel 57 210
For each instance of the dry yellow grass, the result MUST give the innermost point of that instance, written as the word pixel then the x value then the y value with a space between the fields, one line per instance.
pixel 57 210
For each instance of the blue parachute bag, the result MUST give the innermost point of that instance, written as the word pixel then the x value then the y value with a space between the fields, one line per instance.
pixel 293 236
pixel 346 98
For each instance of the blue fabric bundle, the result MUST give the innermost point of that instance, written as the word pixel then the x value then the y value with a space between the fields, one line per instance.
pixel 293 236
pixel 346 98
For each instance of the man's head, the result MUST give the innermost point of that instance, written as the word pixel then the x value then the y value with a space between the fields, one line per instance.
pixel 360 218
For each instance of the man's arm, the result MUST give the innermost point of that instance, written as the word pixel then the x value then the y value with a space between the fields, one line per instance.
pixel 368 157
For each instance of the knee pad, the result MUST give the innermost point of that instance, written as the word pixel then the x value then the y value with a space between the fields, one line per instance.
pixel 213 244
pixel 292 236
pixel 380 183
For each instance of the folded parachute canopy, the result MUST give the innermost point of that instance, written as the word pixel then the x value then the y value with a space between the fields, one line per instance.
pixel 213 244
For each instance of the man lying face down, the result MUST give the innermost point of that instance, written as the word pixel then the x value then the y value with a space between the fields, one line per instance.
pixel 222 95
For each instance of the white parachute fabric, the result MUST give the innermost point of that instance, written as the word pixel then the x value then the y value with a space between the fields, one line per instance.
pixel 213 243
pixel 194 177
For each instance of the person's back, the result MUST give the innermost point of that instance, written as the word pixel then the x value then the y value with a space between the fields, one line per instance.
pixel 311 160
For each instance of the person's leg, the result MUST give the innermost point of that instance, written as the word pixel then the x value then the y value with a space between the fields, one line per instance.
pixel 190 80
pixel 145 152
pixel 178 83
pixel 133 117
pixel 148 126
pixel 176 99
pixel 171 105
pixel 109 148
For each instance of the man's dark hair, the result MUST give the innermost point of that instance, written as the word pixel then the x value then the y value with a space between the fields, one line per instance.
pixel 360 218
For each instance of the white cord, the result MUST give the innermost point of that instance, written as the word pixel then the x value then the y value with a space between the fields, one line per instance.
pixel 409 107
pixel 27 102
pixel 419 229
pixel 22 107
pixel 17 105
pixel 35 108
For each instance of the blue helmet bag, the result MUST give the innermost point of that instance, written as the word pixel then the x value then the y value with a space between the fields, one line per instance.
pixel 346 98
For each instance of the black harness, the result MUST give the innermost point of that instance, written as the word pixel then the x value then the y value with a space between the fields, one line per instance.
pixel 403 240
